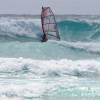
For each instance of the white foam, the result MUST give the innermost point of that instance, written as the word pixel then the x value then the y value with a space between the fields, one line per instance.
pixel 23 90
pixel 88 46
pixel 15 26
pixel 50 67
pixel 19 89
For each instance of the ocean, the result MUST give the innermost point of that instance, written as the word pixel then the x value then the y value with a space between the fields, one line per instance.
pixel 68 69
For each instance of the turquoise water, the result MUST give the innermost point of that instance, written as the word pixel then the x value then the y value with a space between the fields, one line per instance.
pixel 68 69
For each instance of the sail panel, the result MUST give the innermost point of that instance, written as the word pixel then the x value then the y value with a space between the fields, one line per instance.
pixel 49 24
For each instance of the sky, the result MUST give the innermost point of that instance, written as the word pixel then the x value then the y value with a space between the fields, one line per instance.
pixel 58 6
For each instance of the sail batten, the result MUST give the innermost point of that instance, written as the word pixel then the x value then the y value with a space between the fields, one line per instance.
pixel 49 25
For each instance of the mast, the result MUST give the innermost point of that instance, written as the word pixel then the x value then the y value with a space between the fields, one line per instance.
pixel 45 36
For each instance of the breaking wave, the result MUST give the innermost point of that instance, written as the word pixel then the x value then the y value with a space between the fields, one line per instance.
pixel 20 67
pixel 19 29
pixel 93 47
pixel 30 28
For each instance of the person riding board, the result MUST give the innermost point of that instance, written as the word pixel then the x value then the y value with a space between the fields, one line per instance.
pixel 44 37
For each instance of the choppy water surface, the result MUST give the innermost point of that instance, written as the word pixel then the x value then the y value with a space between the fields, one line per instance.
pixel 55 70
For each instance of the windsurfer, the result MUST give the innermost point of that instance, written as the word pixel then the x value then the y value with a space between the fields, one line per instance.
pixel 44 37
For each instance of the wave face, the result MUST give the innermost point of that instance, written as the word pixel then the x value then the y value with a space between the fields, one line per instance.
pixel 80 30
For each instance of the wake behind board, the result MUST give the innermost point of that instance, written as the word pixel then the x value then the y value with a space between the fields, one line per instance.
pixel 49 25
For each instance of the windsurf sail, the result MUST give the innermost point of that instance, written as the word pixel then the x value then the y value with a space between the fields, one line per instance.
pixel 49 25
